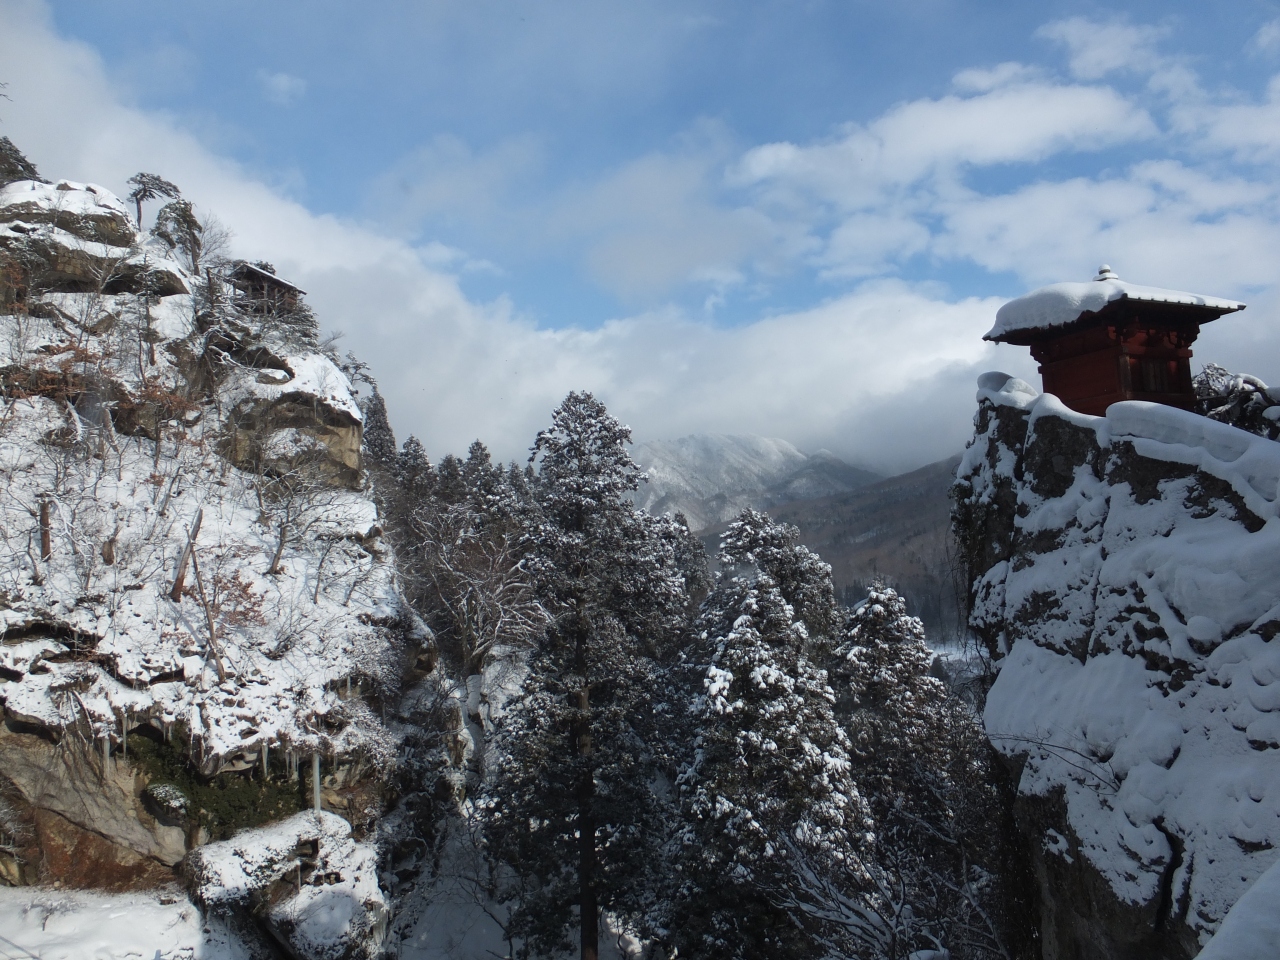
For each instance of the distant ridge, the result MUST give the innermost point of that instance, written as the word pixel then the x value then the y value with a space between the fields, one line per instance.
pixel 710 478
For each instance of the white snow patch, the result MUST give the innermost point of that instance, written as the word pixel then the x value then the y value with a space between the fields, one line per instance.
pixel 1251 931
pixel 164 925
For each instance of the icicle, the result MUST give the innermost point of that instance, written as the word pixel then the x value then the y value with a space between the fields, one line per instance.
pixel 264 760
pixel 124 736
pixel 106 756
pixel 315 779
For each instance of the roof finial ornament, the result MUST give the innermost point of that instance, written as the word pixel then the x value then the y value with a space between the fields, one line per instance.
pixel 1104 273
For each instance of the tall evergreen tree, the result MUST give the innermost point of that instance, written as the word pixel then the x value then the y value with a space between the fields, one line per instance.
pixel 941 875
pixel 574 816
pixel 13 165
pixel 379 440
pixel 768 796
pixel 412 470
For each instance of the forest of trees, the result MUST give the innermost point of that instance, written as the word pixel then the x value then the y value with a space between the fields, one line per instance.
pixel 715 758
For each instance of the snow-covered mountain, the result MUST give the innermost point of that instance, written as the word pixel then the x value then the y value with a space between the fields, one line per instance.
pixel 712 477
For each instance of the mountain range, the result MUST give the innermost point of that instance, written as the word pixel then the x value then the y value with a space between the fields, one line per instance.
pixel 865 525
pixel 711 478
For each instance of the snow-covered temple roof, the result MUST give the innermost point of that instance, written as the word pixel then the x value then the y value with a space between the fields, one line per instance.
pixel 1060 304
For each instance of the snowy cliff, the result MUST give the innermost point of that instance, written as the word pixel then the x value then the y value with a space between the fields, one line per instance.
pixel 194 594
pixel 1126 581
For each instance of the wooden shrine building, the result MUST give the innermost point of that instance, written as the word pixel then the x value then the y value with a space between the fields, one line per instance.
pixel 262 290
pixel 1105 340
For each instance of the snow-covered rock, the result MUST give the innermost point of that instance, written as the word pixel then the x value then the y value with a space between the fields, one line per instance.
pixel 1251 930
pixel 1126 576
pixel 194 592
pixel 314 886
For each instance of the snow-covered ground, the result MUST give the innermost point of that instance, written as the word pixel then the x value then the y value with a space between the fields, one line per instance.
pixel 67 925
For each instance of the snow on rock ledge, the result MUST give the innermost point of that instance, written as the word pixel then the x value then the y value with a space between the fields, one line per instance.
pixel 315 887
pixel 1126 575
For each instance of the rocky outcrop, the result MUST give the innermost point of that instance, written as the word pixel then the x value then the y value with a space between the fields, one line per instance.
pixel 305 880
pixel 76 238
pixel 298 409
pixel 1125 579
pixel 194 596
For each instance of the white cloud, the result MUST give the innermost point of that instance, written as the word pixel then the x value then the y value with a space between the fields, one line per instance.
pixel 1098 48
pixel 1161 225
pixel 1250 131
pixel 282 89
pixel 1267 39
pixel 873 196
pixel 1022 123
pixel 980 80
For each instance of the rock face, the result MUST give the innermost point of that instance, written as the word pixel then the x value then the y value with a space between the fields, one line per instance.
pixel 1126 581
pixel 66 778
pixel 194 595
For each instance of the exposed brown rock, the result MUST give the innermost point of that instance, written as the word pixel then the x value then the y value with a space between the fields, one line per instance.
pixel 81 859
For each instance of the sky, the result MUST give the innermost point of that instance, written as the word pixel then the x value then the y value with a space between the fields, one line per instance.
pixel 793 219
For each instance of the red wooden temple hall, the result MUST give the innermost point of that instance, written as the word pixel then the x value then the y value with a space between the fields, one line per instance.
pixel 1106 340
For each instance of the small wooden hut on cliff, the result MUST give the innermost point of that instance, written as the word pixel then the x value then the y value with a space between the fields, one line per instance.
pixel 262 290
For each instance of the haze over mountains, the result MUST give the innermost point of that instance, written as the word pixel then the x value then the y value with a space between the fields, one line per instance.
pixel 710 478
pixel 863 524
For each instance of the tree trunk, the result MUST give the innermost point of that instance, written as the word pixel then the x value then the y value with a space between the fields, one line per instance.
pixel 588 909
pixel 46 532
pixel 275 561
pixel 180 578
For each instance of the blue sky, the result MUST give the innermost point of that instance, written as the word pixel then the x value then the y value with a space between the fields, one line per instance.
pixel 783 218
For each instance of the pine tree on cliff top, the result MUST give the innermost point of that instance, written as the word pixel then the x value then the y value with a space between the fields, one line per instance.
pixel 573 812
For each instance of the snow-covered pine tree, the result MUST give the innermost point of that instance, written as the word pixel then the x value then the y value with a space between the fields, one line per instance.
pixel 13 165
pixel 574 818
pixel 893 706
pixel 924 764
pixel 412 468
pixel 768 798
pixel 379 440
pixel 757 542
